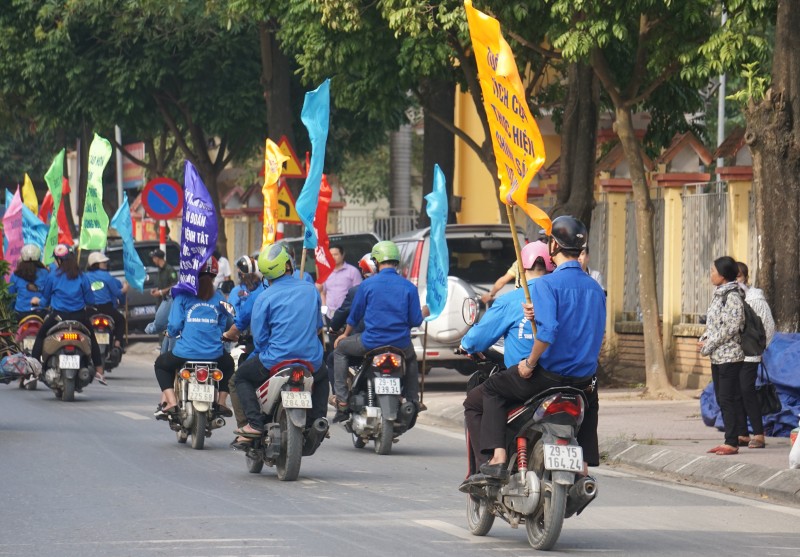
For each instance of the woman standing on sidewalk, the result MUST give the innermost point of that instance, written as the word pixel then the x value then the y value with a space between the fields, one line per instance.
pixel 749 401
pixel 722 341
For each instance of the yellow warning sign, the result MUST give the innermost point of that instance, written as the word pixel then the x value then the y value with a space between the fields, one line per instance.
pixel 293 168
pixel 286 209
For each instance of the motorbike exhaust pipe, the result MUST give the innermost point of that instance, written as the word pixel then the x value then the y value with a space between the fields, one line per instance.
pixel 217 422
pixel 408 409
pixel 314 436
pixel 83 374
pixel 320 425
pixel 580 495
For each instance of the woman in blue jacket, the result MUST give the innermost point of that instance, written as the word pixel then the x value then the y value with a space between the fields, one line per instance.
pixel 108 293
pixel 68 292
pixel 27 281
pixel 200 321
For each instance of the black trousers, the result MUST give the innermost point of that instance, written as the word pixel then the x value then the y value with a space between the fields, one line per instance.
pixel 749 406
pixel 52 318
pixel 167 364
pixel 119 321
pixel 486 406
pixel 726 379
pixel 252 375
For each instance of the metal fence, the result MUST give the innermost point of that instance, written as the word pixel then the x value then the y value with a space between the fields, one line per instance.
pixel 705 238
pixel 598 239
pixel 385 226
pixel 630 297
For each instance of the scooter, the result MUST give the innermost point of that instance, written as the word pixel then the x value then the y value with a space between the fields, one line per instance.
pixel 197 389
pixel 103 326
pixel 27 330
pixel 66 354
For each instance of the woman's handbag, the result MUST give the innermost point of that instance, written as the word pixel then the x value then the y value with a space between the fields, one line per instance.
pixel 767 395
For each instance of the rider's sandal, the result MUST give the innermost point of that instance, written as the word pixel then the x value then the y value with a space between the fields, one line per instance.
pixel 101 379
pixel 255 434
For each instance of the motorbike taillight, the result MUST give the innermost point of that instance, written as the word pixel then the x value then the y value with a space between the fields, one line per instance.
pixel 298 375
pixel 386 359
pixel 70 336
pixel 100 322
pixel 569 404
pixel 201 374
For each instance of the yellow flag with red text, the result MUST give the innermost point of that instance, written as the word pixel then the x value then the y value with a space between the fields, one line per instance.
pixel 273 167
pixel 517 142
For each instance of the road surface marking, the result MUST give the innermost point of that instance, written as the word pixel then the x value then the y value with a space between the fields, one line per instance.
pixel 440 431
pixel 454 531
pixel 132 415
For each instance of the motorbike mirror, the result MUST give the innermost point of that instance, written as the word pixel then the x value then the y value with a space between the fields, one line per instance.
pixel 469 311
pixel 229 308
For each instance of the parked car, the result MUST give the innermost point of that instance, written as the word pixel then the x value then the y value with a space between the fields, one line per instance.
pixel 141 305
pixel 479 255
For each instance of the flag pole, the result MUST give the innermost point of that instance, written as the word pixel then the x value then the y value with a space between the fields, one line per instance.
pixel 302 261
pixel 520 269
pixel 422 370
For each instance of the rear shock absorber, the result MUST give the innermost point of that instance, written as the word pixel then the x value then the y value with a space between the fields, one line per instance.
pixel 370 394
pixel 522 454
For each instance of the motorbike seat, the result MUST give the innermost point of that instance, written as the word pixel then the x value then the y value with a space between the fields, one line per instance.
pixel 68 325
pixel 537 399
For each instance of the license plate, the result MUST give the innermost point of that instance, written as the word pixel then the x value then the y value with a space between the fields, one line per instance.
pixel 69 362
pixel 201 393
pixel 102 338
pixel 296 399
pixel 387 385
pixel 563 457
pixel 27 343
pixel 143 310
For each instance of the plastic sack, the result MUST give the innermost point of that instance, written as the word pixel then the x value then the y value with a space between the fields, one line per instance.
pixel 794 455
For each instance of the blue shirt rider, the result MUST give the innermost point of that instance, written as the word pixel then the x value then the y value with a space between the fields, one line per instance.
pixel 28 281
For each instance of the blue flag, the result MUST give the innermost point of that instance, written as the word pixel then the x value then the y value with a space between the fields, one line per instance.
pixel 135 273
pixel 34 231
pixel 439 257
pixel 315 116
pixel 198 230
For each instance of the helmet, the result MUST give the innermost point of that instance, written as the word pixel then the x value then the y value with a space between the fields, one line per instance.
pixel 96 257
pixel 61 251
pixel 367 265
pixel 211 267
pixel 272 261
pixel 30 252
pixel 385 251
pixel 157 253
pixel 569 233
pixel 246 265
pixel 533 251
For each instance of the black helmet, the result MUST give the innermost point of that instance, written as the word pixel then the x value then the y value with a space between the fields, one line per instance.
pixel 246 265
pixel 570 234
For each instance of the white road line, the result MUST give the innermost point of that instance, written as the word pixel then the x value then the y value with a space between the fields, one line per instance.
pixel 132 415
pixel 440 431
pixel 448 528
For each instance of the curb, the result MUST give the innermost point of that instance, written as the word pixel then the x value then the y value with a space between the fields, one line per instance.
pixel 737 477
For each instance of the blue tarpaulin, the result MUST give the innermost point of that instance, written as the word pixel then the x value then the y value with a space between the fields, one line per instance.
pixel 782 360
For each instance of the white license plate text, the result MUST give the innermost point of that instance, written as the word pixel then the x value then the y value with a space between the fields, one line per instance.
pixel 563 457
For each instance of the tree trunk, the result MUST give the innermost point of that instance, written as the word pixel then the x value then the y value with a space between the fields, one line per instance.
pixel 657 380
pixel 439 145
pixel 83 168
pixel 773 133
pixel 578 145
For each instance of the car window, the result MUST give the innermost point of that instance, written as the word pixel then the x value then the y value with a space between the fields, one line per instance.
pixel 355 245
pixel 115 262
pixel 407 251
pixel 480 259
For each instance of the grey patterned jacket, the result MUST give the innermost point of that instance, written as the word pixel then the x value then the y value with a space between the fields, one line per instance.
pixel 724 325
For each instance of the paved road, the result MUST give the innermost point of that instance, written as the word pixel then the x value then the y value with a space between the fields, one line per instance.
pixel 100 477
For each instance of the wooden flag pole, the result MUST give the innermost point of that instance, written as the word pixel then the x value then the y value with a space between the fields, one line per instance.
pixel 302 262
pixel 520 269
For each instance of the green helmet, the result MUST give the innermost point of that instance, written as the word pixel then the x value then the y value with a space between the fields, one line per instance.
pixel 272 261
pixel 385 251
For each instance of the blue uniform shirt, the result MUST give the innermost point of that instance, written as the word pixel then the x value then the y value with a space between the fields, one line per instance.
pixel 19 287
pixel 389 305
pixel 244 312
pixel 306 276
pixel 65 294
pixel 107 288
pixel 200 324
pixel 570 312
pixel 286 317
pixel 504 319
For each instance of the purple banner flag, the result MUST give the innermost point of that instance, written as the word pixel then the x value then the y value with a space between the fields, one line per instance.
pixel 198 231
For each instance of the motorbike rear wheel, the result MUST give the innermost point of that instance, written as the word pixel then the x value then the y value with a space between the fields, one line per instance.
pixel 288 464
pixel 544 525
pixel 182 436
pixel 479 517
pixel 31 385
pixel 383 443
pixel 254 465
pixel 68 394
pixel 358 442
pixel 199 430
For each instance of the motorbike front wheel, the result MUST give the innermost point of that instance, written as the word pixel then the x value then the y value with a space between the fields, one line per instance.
pixel 544 525
pixel 254 465
pixel 383 443
pixel 358 442
pixel 288 464
pixel 479 517
pixel 199 430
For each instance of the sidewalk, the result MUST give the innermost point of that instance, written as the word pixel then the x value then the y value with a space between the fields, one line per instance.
pixel 666 438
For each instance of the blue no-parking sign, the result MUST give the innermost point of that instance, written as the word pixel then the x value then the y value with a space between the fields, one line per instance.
pixel 162 198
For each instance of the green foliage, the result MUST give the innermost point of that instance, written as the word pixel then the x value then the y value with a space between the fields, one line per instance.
pixel 365 177
pixel 8 318
pixel 756 85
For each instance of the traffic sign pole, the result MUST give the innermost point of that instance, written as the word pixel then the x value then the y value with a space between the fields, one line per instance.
pixel 162 235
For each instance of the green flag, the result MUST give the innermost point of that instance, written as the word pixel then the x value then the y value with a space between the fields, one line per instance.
pixel 53 178
pixel 94 227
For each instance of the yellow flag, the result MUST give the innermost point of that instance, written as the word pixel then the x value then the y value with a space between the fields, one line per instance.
pixel 518 145
pixel 273 167
pixel 29 195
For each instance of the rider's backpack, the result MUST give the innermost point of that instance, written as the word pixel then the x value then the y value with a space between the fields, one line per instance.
pixel 754 336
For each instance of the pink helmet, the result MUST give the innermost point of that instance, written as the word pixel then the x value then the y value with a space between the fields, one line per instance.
pixel 533 251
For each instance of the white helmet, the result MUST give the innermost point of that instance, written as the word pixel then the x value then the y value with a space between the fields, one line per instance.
pixel 30 252
pixel 96 257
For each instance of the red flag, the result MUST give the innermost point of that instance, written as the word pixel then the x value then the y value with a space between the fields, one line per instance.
pixel 322 253
pixel 46 209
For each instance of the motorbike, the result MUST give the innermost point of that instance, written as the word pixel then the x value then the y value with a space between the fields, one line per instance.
pixel 375 400
pixel 196 388
pixel 285 398
pixel 66 354
pixel 26 335
pixel 545 484
pixel 103 326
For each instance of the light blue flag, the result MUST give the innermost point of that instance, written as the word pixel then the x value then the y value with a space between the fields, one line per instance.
pixel 315 116
pixel 34 231
pixel 439 256
pixel 134 268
